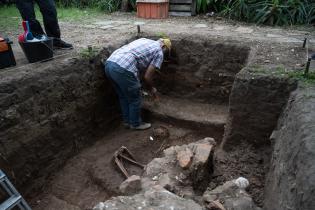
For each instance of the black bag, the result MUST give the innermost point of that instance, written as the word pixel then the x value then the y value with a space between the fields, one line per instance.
pixel 6 55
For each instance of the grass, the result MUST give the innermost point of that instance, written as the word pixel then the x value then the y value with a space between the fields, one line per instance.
pixel 308 81
pixel 280 70
pixel 75 14
pixel 10 19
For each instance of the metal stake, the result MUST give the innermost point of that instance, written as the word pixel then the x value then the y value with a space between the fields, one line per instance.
pixel 138 29
pixel 304 43
pixel 307 67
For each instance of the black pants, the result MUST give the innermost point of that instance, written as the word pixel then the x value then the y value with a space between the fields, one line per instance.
pixel 49 12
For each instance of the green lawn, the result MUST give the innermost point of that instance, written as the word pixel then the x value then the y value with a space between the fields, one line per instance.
pixel 10 19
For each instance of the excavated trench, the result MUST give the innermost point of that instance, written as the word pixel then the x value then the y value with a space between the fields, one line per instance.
pixel 61 127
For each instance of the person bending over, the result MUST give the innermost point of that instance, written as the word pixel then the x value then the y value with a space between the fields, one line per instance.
pixel 124 67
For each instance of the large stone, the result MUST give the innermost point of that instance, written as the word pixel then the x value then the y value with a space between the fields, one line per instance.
pixel 183 169
pixel 201 167
pixel 202 151
pixel 231 195
pixel 184 158
pixel 156 198
pixel 131 185
pixel 165 181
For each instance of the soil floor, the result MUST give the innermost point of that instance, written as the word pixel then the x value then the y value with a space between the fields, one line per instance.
pixel 91 176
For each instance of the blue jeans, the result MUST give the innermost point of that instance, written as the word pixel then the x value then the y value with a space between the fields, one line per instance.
pixel 127 86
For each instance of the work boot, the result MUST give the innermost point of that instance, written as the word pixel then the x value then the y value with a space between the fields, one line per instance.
pixel 60 44
pixel 142 126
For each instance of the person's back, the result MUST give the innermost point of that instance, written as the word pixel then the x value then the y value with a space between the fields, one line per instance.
pixel 138 55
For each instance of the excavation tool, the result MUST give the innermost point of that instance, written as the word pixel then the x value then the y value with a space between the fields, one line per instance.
pixel 124 154
pixel 15 199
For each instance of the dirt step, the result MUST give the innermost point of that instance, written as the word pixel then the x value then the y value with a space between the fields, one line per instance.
pixel 192 113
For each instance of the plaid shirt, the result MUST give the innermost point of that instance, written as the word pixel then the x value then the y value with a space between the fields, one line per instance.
pixel 138 55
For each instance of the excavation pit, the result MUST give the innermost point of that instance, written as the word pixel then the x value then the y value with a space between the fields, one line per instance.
pixel 61 124
pixel 195 83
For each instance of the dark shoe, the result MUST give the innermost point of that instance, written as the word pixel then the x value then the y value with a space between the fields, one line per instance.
pixel 60 44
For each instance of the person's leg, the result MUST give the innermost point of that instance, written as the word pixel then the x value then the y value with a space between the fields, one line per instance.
pixel 134 100
pixel 123 100
pixel 26 8
pixel 130 88
pixel 49 12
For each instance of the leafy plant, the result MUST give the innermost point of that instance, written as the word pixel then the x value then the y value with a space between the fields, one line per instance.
pixel 202 5
pixel 272 12
pixel 133 4
pixel 89 52
pixel 108 5
pixel 104 5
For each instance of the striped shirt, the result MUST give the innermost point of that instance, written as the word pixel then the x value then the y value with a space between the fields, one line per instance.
pixel 138 55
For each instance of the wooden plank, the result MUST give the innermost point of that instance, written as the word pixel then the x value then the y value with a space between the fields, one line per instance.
pixel 181 14
pixel 180 7
pixel 180 1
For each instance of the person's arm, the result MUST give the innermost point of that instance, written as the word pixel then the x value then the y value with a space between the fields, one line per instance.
pixel 155 64
pixel 148 78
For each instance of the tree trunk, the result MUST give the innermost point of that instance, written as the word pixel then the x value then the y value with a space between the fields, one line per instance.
pixel 124 6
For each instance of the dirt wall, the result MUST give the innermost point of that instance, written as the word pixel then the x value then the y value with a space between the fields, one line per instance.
pixel 291 179
pixel 49 112
pixel 202 70
pixel 256 101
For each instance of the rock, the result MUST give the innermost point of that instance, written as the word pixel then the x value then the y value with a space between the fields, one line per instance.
pixel 241 182
pixel 131 185
pixel 215 205
pixel 156 198
pixel 202 153
pixel 147 183
pixel 156 166
pixel 165 181
pixel 100 206
pixel 202 150
pixel 184 158
pixel 160 132
pixel 202 167
pixel 232 197
pixel 183 167
pixel 228 189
